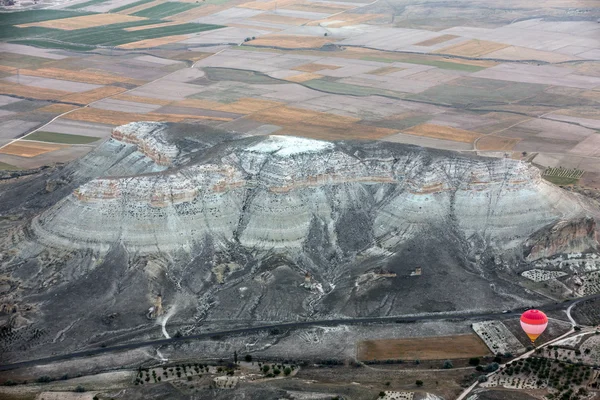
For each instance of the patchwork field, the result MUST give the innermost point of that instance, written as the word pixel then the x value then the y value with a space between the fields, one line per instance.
pixel 425 348
pixel 334 70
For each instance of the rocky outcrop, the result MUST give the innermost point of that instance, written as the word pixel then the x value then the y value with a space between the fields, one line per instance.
pixel 267 192
pixel 148 139
pixel 572 236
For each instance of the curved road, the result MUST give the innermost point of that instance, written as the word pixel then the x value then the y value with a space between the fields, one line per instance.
pixel 292 325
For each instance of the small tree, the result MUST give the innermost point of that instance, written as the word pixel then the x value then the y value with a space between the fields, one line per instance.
pixel 266 368
pixel 287 371
pixel 448 364
pixel 474 361
pixel 419 383
pixel 381 394
pixel 248 358
pixel 235 356
pixel 79 389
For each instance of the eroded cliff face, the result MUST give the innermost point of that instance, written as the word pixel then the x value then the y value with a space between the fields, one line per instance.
pixel 573 236
pixel 266 192
pixel 273 228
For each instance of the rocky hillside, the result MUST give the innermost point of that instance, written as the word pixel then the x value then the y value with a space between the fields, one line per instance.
pixel 269 192
pixel 268 228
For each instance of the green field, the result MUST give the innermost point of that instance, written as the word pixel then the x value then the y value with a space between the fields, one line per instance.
pixel 107 35
pixel 8 167
pixel 53 45
pixel 26 17
pixel 561 180
pixel 165 10
pixel 130 5
pixel 21 60
pixel 63 138
pixel 477 92
pixel 239 75
pixel 398 124
pixel 433 63
pixel 348 89
pixel 83 5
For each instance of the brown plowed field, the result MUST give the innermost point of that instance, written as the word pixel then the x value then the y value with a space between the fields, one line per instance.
pixel 57 108
pixel 443 132
pixel 314 67
pixel 307 76
pixel 93 95
pixel 32 92
pixel 79 76
pixel 425 348
pixel 436 40
pixel 497 143
pixel 27 149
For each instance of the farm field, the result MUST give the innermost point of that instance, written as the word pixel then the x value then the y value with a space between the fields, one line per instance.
pixel 165 10
pixel 62 138
pixel 28 149
pixel 426 348
pixel 479 82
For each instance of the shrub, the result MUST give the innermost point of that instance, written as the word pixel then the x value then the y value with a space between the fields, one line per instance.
pixel 266 368
pixel 482 378
pixel 44 379
pixel 276 371
pixel 419 383
pixel 474 361
pixel 79 389
pixel 248 358
pixel 381 394
pixel 287 371
pixel 448 364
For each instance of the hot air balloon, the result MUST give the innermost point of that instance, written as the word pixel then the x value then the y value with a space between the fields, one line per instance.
pixel 534 323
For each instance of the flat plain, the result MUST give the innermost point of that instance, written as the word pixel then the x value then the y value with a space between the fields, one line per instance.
pixel 523 81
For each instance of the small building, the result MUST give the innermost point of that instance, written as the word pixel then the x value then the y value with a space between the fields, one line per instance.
pixel 416 272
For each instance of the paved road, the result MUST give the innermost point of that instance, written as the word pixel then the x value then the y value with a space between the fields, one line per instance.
pixel 292 325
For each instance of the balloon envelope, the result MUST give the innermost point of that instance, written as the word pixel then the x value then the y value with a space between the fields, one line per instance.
pixel 534 323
